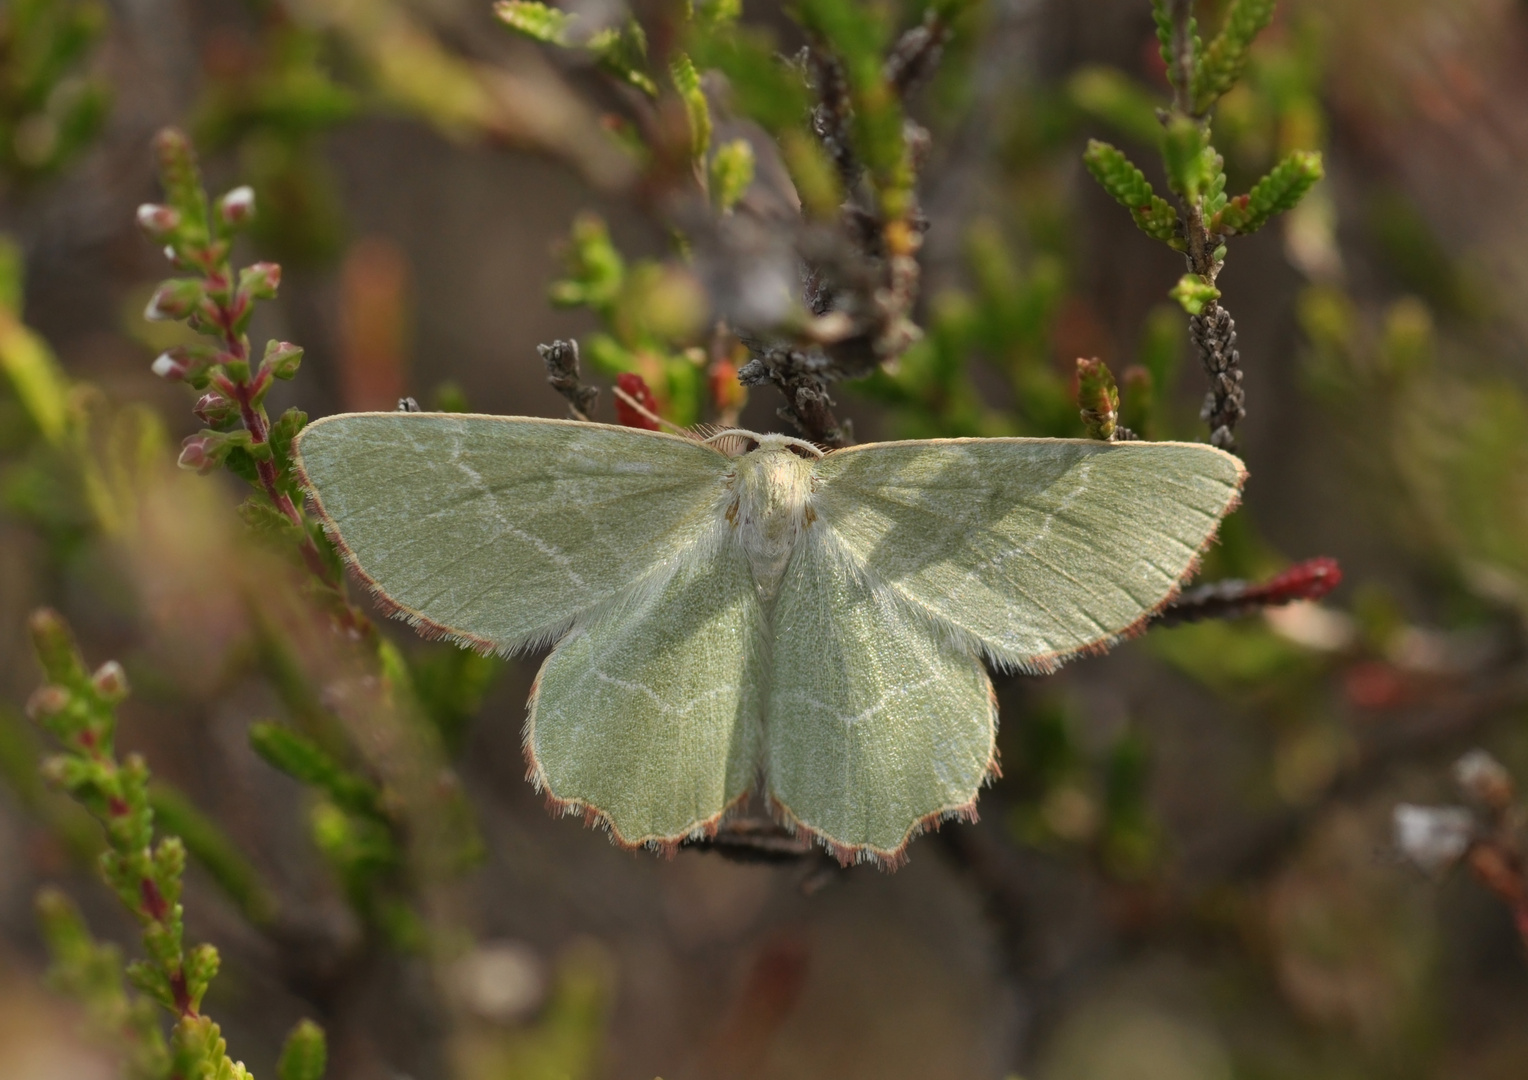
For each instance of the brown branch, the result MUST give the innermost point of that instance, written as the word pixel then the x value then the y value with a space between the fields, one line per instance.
pixel 561 359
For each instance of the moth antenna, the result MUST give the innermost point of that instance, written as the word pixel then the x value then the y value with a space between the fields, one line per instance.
pixel 642 410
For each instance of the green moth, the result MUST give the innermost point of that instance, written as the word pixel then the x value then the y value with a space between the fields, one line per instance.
pixel 747 610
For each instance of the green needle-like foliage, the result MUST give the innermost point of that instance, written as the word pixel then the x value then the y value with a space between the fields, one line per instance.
pixel 731 173
pixel 1221 62
pixel 536 20
pixel 687 82
pixel 1193 292
pixel 91 974
pixel 1097 398
pixel 621 50
pixel 78 708
pixel 305 1055
pixel 49 108
pixel 302 759
pixel 1128 185
pixel 1281 190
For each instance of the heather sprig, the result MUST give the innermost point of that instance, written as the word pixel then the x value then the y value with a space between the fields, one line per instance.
pixel 1205 217
pixel 78 707
pixel 211 298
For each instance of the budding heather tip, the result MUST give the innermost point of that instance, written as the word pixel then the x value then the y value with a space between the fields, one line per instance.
pixel 194 454
pixel 168 366
pixel 173 300
pixel 158 221
pixel 110 681
pixel 238 206
pixel 261 280
pixel 47 701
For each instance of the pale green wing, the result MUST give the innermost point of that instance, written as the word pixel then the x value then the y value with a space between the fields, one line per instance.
pixel 648 716
pixel 879 722
pixel 499 530
pixel 1036 548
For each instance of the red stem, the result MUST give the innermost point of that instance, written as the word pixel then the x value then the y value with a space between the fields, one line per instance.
pixel 253 417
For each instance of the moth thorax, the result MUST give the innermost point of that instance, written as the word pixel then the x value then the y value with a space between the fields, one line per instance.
pixel 770 506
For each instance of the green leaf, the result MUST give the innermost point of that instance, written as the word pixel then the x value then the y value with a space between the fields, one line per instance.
pixel 1116 99
pixel 282 432
pixel 1097 398
pixel 1183 155
pixel 595 270
pixel 764 89
pixel 622 51
pixel 1193 292
pixel 536 20
pixel 200 968
pixel 1281 190
pixel 687 82
pixel 731 173
pixel 1129 187
pixel 1222 61
pixel 303 760
pixel 305 1055
pixel 1164 25
pixel 34 373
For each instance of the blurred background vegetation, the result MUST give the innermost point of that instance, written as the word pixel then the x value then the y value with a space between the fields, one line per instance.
pixel 1187 871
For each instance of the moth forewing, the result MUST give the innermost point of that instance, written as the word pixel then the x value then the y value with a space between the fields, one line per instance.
pixel 498 531
pixel 1041 549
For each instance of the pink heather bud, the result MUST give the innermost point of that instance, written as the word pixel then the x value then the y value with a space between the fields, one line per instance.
pixel 170 365
pixel 110 681
pixel 175 299
pixel 195 453
pixel 158 221
pixel 46 701
pixel 260 281
pixel 213 408
pixel 238 206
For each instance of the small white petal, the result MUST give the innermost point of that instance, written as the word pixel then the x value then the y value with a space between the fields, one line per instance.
pixel 1433 837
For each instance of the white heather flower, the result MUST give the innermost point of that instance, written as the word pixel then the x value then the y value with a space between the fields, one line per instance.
pixel 1433 837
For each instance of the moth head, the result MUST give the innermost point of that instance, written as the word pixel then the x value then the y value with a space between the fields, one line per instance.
pixel 735 442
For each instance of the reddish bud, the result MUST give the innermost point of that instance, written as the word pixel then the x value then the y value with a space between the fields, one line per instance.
pixel 169 365
pixel 194 454
pixel 47 701
pixel 214 409
pixel 237 208
pixel 635 388
pixel 159 222
pixel 110 681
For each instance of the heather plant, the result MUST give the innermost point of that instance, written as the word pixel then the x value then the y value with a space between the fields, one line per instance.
pixel 790 174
